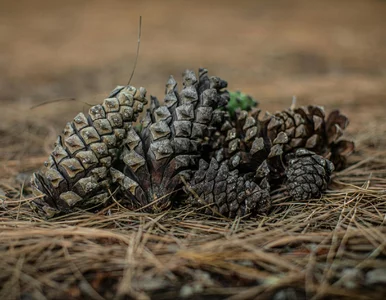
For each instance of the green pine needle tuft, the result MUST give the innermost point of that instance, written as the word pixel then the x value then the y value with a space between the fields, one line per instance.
pixel 239 100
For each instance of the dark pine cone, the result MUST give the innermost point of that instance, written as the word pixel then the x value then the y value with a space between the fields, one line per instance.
pixel 308 174
pixel 169 146
pixel 222 191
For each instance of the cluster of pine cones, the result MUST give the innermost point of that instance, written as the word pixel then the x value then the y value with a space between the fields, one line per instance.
pixel 193 148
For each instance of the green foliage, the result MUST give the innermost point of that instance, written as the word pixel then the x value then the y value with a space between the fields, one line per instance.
pixel 239 100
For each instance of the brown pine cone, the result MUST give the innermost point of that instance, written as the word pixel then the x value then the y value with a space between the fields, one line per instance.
pixel 171 141
pixel 221 191
pixel 308 174
pixel 77 173
pixel 307 127
pixel 257 145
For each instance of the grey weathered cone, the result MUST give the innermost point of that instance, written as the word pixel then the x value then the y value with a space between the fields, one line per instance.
pixel 170 143
pixel 230 164
pixel 77 173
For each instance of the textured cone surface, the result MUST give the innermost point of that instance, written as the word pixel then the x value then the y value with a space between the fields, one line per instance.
pixel 307 127
pixel 308 175
pixel 77 173
pixel 260 145
pixel 170 143
pixel 225 192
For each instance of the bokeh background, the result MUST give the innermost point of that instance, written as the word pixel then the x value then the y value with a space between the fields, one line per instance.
pixel 331 53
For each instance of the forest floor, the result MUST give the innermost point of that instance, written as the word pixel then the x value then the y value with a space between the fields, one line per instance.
pixel 330 53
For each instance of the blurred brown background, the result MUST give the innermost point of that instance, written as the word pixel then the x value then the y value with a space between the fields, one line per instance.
pixel 332 53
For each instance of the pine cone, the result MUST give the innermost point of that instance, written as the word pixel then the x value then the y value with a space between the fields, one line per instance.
pixel 221 191
pixel 77 173
pixel 254 145
pixel 338 149
pixel 308 174
pixel 307 127
pixel 171 141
